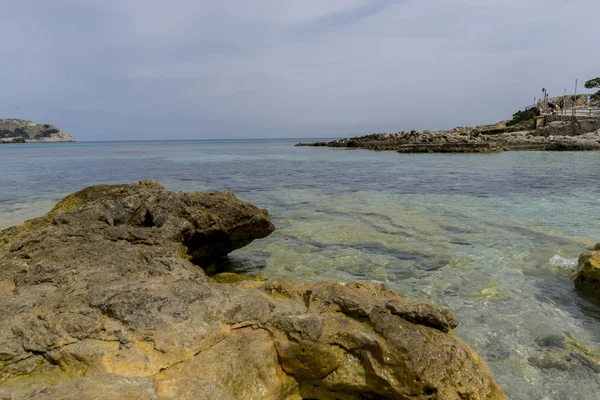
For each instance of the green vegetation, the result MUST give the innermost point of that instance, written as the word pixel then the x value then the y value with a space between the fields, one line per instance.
pixel 70 203
pixel 48 132
pixel 521 116
pixel 594 83
pixel 18 132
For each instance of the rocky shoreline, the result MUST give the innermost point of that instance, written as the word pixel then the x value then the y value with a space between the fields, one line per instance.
pixel 105 297
pixel 22 131
pixel 557 134
pixel 587 274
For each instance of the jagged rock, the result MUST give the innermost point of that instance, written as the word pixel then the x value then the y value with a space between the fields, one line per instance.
pixel 425 314
pixel 581 134
pixel 587 273
pixel 450 148
pixel 573 127
pixel 100 299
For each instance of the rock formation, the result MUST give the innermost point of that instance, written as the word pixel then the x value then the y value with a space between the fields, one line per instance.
pixel 579 100
pixel 587 273
pixel 104 298
pixel 21 131
pixel 580 134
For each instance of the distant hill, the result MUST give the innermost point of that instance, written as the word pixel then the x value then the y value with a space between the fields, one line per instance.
pixel 21 131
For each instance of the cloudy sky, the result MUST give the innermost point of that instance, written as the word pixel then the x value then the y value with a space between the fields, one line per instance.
pixel 179 69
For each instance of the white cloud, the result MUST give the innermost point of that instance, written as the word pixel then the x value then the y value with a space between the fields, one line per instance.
pixel 356 64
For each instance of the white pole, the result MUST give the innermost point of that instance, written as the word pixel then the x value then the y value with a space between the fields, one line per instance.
pixel 575 97
pixel 575 105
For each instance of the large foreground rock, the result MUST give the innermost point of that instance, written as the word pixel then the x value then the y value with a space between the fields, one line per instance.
pixel 100 300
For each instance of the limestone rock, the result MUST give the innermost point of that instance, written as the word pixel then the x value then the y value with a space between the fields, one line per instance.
pixel 104 298
pixel 587 273
pixel 567 135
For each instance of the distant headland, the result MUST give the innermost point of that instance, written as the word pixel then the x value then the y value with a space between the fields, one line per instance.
pixel 22 131
pixel 552 124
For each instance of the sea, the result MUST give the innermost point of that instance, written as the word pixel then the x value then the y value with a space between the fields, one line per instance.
pixel 492 237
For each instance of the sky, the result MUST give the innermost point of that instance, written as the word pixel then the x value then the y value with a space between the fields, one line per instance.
pixel 205 69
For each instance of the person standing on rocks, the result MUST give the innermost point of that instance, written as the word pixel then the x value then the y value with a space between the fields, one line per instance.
pixel 562 107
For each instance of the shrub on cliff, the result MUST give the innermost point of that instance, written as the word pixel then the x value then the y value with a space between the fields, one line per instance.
pixel 18 132
pixel 594 83
pixel 522 116
pixel 48 132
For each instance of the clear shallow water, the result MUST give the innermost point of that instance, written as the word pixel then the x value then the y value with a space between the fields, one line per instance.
pixel 475 233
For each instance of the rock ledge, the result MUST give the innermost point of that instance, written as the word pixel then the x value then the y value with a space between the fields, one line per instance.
pixel 103 298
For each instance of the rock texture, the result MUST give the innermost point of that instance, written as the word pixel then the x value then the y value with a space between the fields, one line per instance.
pixel 580 134
pixel 21 131
pixel 579 101
pixel 100 299
pixel 564 353
pixel 587 273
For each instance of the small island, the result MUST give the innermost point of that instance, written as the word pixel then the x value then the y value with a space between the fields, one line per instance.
pixel 22 131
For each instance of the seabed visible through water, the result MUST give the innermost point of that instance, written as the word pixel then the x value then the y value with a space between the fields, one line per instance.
pixel 493 237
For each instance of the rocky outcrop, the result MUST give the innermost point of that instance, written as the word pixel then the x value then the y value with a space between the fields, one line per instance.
pixel 450 148
pixel 587 273
pixel 104 298
pixel 21 131
pixel 579 100
pixel 12 140
pixel 570 128
pixel 580 134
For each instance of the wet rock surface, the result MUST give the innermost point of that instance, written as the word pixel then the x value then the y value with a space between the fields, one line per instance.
pixel 105 298
pixel 587 274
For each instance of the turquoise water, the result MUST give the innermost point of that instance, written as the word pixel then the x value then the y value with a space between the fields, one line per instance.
pixel 473 232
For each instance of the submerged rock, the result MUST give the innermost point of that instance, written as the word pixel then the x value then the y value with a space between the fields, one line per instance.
pixel 564 352
pixel 103 298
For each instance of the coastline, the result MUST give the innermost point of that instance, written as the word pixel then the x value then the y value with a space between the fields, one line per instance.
pixel 23 141
pixel 472 234
pixel 553 133
pixel 24 131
